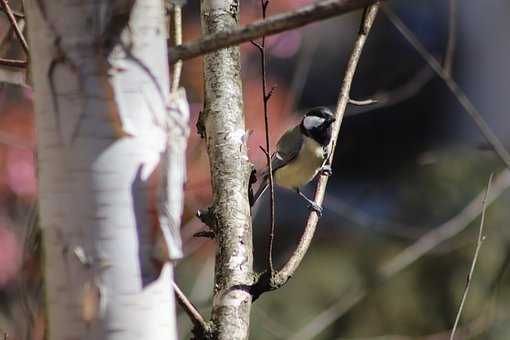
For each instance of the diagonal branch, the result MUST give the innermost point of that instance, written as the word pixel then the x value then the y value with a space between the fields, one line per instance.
pixel 463 100
pixel 7 9
pixel 452 37
pixel 278 279
pixel 479 242
pixel 432 239
pixel 201 326
pixel 317 11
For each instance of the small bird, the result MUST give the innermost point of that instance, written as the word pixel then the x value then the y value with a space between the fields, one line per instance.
pixel 301 154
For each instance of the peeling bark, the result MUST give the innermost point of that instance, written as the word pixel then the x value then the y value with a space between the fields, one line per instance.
pixel 224 124
pixel 102 105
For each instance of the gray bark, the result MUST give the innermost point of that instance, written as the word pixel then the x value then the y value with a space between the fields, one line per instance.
pixel 102 105
pixel 225 133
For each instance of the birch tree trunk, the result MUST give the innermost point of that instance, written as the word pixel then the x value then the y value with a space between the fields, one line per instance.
pixel 223 120
pixel 101 101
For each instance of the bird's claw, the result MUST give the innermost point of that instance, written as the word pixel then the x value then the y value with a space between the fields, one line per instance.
pixel 315 207
pixel 326 170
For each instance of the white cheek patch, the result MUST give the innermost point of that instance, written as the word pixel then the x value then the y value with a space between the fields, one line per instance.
pixel 311 122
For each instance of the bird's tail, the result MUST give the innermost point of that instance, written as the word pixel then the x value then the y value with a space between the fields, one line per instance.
pixel 262 188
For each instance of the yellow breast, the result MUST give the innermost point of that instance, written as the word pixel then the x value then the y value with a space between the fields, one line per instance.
pixel 304 168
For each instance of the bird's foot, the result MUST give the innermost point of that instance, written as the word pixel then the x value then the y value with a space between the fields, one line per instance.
pixel 326 170
pixel 315 207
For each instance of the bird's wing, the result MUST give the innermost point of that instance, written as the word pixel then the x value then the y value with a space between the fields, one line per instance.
pixel 287 149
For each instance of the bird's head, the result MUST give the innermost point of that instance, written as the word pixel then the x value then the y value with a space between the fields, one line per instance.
pixel 316 124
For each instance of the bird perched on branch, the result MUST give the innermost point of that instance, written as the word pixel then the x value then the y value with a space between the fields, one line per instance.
pixel 302 152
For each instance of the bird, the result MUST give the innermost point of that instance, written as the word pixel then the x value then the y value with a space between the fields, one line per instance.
pixel 301 153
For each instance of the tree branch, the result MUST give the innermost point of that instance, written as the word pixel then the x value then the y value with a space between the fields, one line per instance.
pixel 176 34
pixel 461 97
pixel 265 100
pixel 13 63
pixel 481 237
pixel 270 282
pixel 225 134
pixel 7 9
pixel 275 24
pixel 452 37
pixel 201 326
pixel 407 257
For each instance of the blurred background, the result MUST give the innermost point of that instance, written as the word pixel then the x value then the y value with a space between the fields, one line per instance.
pixel 404 168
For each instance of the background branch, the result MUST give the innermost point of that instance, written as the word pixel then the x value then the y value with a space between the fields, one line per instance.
pixel 479 242
pixel 473 112
pixel 437 236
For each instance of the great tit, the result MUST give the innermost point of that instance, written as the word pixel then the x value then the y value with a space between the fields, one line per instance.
pixel 301 154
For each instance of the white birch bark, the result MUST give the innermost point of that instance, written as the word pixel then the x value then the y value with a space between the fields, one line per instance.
pixel 101 104
pixel 225 134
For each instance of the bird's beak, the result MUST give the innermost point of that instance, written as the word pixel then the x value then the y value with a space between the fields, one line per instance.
pixel 332 120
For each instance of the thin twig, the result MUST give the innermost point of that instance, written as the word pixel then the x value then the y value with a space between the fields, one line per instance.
pixel 283 275
pixel 265 98
pixel 300 74
pixel 16 14
pixel 407 257
pixel 194 315
pixel 13 63
pixel 473 112
pixel 176 23
pixel 446 230
pixel 401 93
pixel 422 77
pixel 367 21
pixel 316 11
pixel 479 242
pixel 7 9
pixel 362 102
pixel 452 37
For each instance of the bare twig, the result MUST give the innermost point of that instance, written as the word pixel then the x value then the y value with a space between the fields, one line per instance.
pixel 401 93
pixel 7 9
pixel 414 85
pixel 196 318
pixel 481 237
pixel 406 258
pixel 316 11
pixel 446 230
pixel 13 63
pixel 282 276
pixel 300 75
pixel 473 112
pixel 176 23
pixel 16 14
pixel 362 102
pixel 265 99
pixel 452 37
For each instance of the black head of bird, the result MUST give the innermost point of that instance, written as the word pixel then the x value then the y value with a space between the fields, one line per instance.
pixel 317 124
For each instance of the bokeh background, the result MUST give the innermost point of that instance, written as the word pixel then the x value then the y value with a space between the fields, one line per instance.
pixel 403 168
